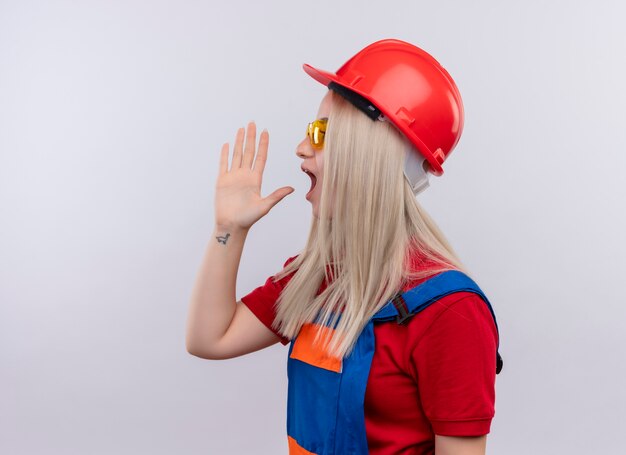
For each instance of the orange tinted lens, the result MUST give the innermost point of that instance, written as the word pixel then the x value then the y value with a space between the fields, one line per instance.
pixel 316 131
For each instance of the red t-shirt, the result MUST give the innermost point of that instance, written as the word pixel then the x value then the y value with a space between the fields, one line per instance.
pixel 433 375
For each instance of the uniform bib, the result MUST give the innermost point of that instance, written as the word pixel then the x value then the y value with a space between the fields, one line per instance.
pixel 325 401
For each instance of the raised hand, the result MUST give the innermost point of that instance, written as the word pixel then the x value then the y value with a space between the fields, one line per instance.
pixel 238 201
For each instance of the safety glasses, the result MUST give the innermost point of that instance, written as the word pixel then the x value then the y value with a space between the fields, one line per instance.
pixel 316 131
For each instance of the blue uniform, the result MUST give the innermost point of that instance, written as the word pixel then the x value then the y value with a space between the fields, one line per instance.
pixel 325 403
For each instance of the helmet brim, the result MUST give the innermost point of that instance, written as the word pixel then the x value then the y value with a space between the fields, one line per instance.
pixel 321 76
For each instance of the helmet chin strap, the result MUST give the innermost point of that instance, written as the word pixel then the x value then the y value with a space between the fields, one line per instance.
pixel 414 170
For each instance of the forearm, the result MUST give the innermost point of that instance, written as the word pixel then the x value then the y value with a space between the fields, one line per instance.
pixel 213 297
pixel 238 205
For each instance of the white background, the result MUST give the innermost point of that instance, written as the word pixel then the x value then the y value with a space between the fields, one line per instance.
pixel 112 114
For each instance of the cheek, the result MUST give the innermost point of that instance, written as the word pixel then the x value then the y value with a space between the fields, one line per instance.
pixel 319 164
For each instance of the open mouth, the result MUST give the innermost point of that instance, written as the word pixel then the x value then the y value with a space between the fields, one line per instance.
pixel 313 180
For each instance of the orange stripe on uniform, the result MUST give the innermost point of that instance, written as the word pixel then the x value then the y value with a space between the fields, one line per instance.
pixel 315 354
pixel 296 449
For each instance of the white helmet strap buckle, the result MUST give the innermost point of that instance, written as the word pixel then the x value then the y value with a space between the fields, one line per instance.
pixel 414 170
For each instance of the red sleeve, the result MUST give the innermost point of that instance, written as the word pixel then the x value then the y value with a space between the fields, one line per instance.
pixel 455 361
pixel 262 299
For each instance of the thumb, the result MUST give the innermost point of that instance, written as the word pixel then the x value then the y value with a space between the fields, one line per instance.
pixel 272 199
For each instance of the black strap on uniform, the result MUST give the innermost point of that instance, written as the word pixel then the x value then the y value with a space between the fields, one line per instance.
pixel 402 308
pixel 404 314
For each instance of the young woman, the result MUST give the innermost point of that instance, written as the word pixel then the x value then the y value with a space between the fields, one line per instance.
pixel 393 347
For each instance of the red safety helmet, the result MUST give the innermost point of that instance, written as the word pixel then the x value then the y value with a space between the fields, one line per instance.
pixel 411 89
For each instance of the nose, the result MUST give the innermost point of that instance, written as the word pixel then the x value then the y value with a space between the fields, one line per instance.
pixel 304 149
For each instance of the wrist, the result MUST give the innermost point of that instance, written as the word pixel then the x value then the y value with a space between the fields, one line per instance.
pixel 229 228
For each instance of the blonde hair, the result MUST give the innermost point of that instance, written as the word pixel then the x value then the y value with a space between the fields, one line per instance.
pixel 370 225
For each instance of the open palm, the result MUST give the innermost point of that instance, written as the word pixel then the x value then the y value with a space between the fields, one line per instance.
pixel 238 200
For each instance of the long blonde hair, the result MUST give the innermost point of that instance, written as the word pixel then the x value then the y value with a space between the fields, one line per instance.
pixel 370 224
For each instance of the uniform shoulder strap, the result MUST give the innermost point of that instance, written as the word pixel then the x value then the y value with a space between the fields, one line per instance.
pixel 406 304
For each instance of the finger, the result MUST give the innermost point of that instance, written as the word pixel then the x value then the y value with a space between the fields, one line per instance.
pixel 248 154
pixel 237 150
pixel 274 198
pixel 261 156
pixel 224 159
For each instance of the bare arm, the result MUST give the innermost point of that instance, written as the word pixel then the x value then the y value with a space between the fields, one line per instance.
pixel 457 445
pixel 218 327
